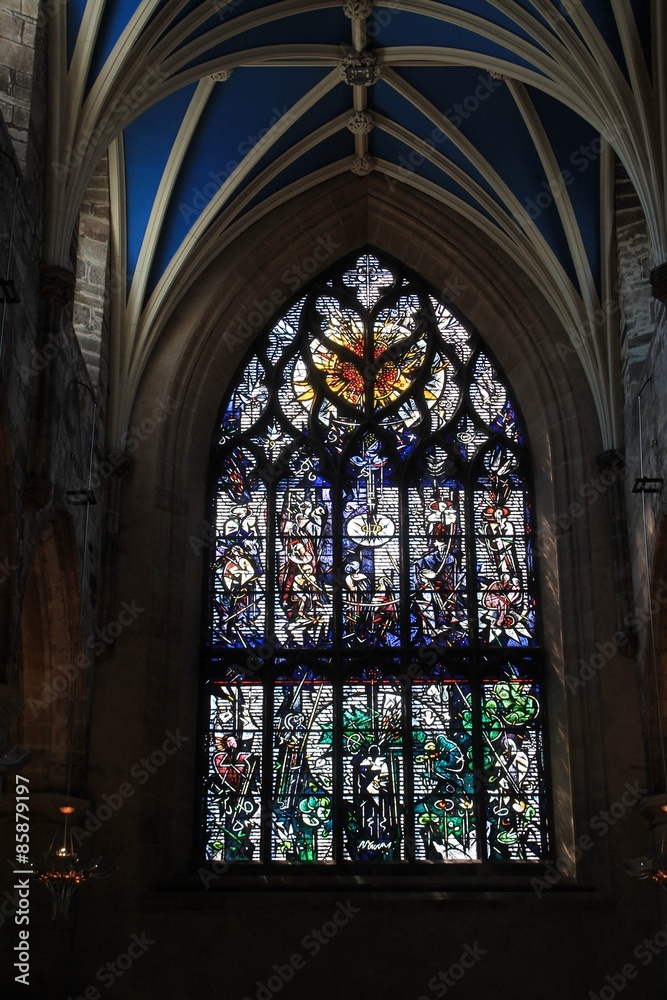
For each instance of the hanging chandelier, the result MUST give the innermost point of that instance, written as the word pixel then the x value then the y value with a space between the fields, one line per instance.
pixel 654 868
pixel 62 869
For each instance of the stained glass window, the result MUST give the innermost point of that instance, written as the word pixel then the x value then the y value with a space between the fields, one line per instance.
pixel 374 689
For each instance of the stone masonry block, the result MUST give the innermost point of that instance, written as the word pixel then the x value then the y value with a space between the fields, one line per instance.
pixel 17 56
pixel 10 27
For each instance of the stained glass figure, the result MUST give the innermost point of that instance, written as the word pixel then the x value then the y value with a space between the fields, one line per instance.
pixel 445 826
pixel 373 546
pixel 304 555
pixel 235 771
pixel 504 547
pixel 438 554
pixel 514 766
pixel 371 552
pixel 302 767
pixel 372 771
pixel 239 577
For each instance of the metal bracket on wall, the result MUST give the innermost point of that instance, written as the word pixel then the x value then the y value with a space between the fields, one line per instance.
pixel 81 498
pixel 646 485
pixel 8 292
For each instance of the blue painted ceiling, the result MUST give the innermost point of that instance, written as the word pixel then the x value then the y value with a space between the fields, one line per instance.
pixel 280 116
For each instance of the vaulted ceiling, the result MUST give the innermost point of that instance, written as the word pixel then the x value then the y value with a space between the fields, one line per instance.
pixel 509 112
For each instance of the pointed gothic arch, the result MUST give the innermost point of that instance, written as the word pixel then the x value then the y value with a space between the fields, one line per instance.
pixel 372 597
pixel 47 648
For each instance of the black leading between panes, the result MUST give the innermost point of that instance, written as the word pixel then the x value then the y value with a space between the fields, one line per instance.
pixel 374 689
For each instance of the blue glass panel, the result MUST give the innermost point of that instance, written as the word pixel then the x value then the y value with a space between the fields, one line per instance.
pixel 239 561
pixel 233 804
pixel 373 771
pixel 302 770
pixel 514 766
pixel 445 827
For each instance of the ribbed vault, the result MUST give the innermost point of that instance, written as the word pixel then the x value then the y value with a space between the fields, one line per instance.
pixel 508 114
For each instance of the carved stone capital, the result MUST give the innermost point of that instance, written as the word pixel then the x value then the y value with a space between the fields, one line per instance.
pixel 654 809
pixel 362 165
pixel 358 8
pixel 613 460
pixel 57 283
pixel 360 123
pixel 222 75
pixel 658 279
pixel 360 69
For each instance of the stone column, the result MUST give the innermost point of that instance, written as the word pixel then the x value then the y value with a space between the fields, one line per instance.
pixel 56 293
pixel 658 281
pixel 612 467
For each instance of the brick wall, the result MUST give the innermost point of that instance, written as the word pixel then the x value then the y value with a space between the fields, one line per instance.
pixel 45 417
pixel 18 31
pixel 637 306
pixel 91 301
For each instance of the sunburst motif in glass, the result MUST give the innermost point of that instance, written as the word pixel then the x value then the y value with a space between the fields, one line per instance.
pixel 373 603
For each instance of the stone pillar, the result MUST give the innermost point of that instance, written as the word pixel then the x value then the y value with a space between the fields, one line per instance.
pixel 612 467
pixel 92 292
pixel 56 294
pixel 658 279
pixel 123 466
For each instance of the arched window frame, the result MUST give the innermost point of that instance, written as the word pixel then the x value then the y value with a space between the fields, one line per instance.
pixel 480 664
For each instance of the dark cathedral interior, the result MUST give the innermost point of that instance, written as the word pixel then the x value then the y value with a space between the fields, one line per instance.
pixel 333 545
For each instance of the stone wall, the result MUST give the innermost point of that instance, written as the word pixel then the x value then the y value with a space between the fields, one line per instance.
pixel 228 940
pixel 151 679
pixel 634 291
pixel 50 548
pixel 18 34
pixel 91 302
pixel 644 367
pixel 45 416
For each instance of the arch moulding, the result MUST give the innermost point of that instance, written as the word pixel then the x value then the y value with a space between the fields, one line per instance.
pixel 164 502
